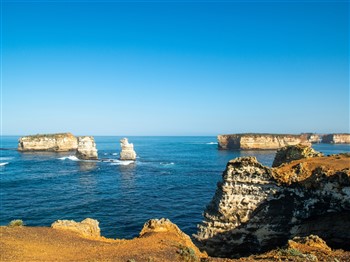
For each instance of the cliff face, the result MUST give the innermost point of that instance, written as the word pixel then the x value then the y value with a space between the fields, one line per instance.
pixel 259 141
pixel 336 139
pixel 50 142
pixel 86 148
pixel 256 208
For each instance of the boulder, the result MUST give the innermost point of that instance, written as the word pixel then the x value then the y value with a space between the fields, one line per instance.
pixel 87 228
pixel 127 152
pixel 290 153
pixel 86 148
pixel 48 142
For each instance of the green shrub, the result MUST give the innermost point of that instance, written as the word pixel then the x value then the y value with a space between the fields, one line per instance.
pixel 16 223
pixel 187 254
pixel 290 252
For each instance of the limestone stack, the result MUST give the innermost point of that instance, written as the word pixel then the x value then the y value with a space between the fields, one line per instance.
pixel 86 148
pixel 259 141
pixel 256 208
pixel 127 152
pixel 49 142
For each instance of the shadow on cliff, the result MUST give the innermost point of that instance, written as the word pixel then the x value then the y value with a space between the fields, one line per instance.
pixel 293 211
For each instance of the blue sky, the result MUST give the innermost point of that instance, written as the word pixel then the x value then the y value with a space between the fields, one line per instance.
pixel 175 68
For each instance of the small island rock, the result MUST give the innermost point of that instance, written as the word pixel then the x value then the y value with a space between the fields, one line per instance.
pixel 127 152
pixel 48 142
pixel 86 148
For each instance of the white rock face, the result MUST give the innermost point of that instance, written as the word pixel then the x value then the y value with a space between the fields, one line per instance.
pixel 127 152
pixel 48 142
pixel 86 148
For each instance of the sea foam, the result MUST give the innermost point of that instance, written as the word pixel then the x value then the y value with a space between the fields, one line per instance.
pixel 4 164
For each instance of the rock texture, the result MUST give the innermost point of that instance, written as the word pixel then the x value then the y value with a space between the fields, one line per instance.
pixel 259 141
pixel 336 139
pixel 127 152
pixel 87 228
pixel 50 142
pixel 256 208
pixel 86 148
pixel 166 226
pixel 290 153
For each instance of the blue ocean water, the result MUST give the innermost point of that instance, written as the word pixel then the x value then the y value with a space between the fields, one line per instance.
pixel 173 177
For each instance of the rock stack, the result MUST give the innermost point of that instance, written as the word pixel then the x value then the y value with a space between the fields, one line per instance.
pixel 127 152
pixel 49 142
pixel 86 148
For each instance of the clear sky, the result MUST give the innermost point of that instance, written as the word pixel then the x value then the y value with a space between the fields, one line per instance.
pixel 175 68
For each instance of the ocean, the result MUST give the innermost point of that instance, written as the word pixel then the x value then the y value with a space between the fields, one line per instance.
pixel 173 177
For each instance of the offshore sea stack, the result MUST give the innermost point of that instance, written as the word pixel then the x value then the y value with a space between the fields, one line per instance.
pixel 86 148
pixel 256 208
pixel 127 152
pixel 50 142
pixel 260 141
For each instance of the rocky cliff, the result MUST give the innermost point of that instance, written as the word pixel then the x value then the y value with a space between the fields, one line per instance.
pixel 49 142
pixel 336 139
pixel 259 141
pixel 256 208
pixel 290 153
pixel 127 152
pixel 86 148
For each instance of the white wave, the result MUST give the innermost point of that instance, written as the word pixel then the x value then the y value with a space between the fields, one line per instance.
pixel 212 143
pixel 167 163
pixel 121 162
pixel 73 158
pixel 5 158
pixel 115 154
pixel 105 154
pixel 4 164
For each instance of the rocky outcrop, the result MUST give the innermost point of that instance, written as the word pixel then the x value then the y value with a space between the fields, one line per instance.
pixel 49 142
pixel 336 139
pixel 256 208
pixel 166 226
pixel 291 153
pixel 127 152
pixel 259 141
pixel 87 228
pixel 86 148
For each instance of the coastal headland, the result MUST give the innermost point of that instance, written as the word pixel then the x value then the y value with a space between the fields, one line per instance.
pixel 295 211
pixel 260 141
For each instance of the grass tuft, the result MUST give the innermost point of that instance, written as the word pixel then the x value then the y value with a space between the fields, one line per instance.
pixel 16 223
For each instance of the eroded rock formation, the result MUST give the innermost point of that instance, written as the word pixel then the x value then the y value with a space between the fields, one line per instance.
pixel 336 139
pixel 290 153
pixel 87 228
pixel 86 148
pixel 256 208
pixel 259 141
pixel 50 142
pixel 127 152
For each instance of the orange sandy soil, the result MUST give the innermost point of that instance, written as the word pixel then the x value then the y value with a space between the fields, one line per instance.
pixel 47 244
pixel 330 164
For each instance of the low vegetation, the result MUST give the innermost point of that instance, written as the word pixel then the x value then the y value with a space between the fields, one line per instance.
pixel 16 223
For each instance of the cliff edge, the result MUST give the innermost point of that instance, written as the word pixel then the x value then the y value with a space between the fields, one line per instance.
pixel 256 208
